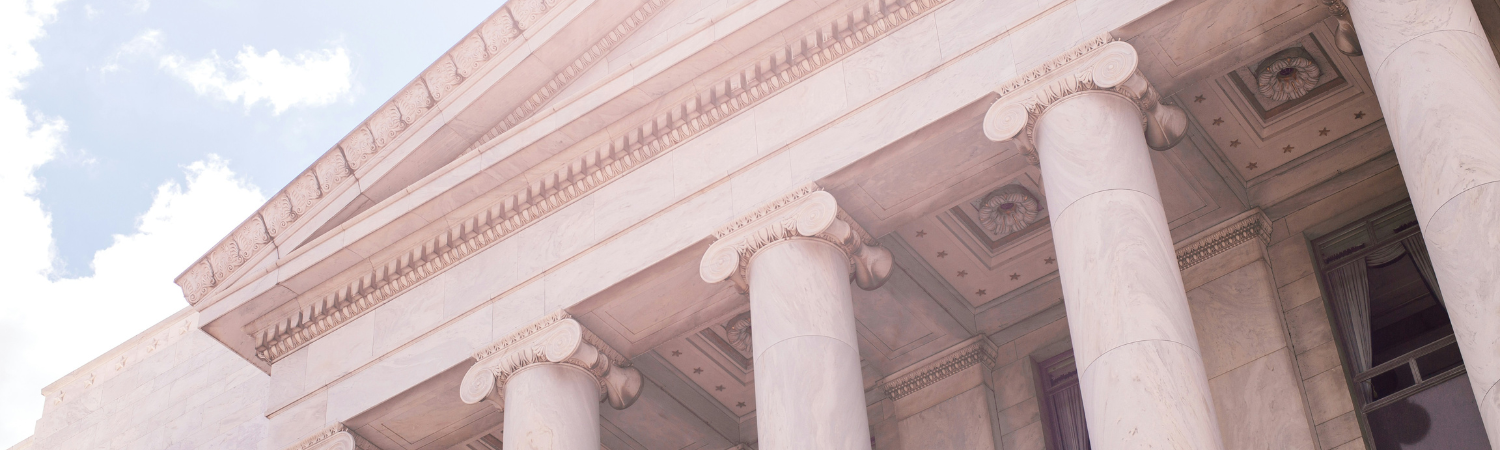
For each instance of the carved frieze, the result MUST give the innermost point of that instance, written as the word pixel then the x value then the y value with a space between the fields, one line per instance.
pixel 1249 226
pixel 556 339
pixel 928 372
pixel 335 437
pixel 386 125
pixel 807 212
pixel 694 116
pixel 331 170
pixel 303 193
pixel 1101 64
pixel 278 214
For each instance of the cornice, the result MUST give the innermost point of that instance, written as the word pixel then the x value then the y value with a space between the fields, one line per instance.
pixel 721 101
pixel 555 339
pixel 807 212
pixel 939 367
pixel 335 437
pixel 565 77
pixel 1248 226
pixel 1099 64
pixel 488 42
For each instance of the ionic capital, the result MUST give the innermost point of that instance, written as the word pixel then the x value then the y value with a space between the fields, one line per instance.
pixel 1101 64
pixel 807 212
pixel 556 339
pixel 336 437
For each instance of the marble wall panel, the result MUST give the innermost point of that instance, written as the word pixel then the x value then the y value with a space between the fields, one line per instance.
pixel 961 422
pixel 889 62
pixel 1260 407
pixel 1339 430
pixel 341 351
pixel 1236 318
pixel 421 360
pixel 966 23
pixel 1299 292
pixel 1309 326
pixel 1328 395
pixel 408 315
pixel 1049 36
pixel 479 279
pixel 717 152
pixel 799 108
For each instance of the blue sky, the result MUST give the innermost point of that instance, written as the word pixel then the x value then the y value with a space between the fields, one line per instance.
pixel 136 133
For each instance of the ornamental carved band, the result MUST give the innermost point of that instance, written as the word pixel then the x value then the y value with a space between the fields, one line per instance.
pixel 556 339
pixel 336 437
pixel 805 213
pixel 1101 64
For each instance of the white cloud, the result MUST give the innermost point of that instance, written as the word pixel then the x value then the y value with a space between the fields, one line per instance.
pixel 147 43
pixel 141 6
pixel 50 327
pixel 311 78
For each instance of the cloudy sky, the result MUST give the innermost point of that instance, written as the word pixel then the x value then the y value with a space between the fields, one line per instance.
pixel 136 133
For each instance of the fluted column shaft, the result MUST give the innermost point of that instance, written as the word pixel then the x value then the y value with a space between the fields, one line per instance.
pixel 1439 87
pixel 1139 363
pixel 552 406
pixel 808 388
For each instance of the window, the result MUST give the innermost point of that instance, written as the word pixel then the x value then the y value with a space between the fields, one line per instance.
pixel 1408 380
pixel 1061 403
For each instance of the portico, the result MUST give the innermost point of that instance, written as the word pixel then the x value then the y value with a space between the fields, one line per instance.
pixel 891 224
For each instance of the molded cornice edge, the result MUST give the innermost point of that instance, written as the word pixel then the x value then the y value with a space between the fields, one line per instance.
pixel 336 437
pixel 710 107
pixel 373 139
pixel 555 339
pixel 1099 64
pixel 1248 226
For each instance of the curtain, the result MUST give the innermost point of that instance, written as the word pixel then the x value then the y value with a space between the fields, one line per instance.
pixel 1068 405
pixel 1349 287
pixel 1384 255
pixel 1418 250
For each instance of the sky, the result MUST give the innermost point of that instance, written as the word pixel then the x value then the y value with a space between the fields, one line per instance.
pixel 134 134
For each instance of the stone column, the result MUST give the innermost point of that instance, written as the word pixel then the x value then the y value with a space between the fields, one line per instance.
pixel 1439 88
pixel 795 257
pixel 549 378
pixel 1092 118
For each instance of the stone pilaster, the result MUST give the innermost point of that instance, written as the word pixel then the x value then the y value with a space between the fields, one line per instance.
pixel 794 257
pixel 1093 119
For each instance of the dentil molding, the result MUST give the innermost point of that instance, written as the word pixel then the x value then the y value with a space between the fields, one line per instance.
pixel 556 339
pixel 1100 64
pixel 807 212
pixel 336 437
pixel 819 49
pixel 489 42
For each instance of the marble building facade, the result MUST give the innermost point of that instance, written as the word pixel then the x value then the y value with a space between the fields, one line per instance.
pixel 866 224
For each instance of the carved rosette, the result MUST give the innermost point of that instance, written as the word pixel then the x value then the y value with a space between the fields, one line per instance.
pixel 1101 64
pixel 556 339
pixel 1009 209
pixel 805 213
pixel 336 437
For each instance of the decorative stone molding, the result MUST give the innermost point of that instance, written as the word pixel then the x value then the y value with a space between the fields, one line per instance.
pixel 556 339
pixel 978 350
pixel 1287 75
pixel 1101 64
pixel 1009 209
pixel 1248 226
pixel 710 107
pixel 336 437
pixel 739 331
pixel 361 146
pixel 807 212
pixel 1344 37
pixel 570 73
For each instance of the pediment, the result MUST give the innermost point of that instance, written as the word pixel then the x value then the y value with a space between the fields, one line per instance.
pixel 497 77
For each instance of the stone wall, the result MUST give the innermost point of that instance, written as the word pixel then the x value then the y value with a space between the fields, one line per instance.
pixel 188 393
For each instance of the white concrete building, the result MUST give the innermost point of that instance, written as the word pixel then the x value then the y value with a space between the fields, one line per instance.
pixel 866 224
